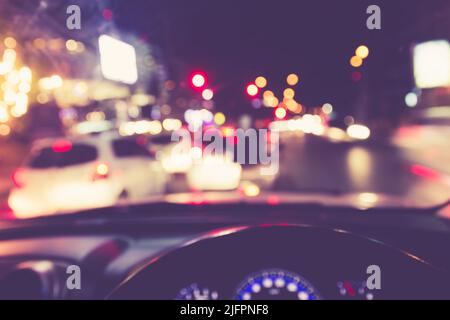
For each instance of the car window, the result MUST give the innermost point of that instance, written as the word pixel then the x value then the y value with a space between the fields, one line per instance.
pixel 75 155
pixel 161 140
pixel 124 148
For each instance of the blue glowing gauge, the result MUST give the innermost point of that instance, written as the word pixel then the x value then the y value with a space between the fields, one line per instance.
pixel 276 285
pixel 194 292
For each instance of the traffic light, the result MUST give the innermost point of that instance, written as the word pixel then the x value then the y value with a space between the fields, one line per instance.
pixel 252 90
pixel 198 80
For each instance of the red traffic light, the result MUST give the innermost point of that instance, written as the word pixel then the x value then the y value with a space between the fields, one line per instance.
pixel 198 80
pixel 252 90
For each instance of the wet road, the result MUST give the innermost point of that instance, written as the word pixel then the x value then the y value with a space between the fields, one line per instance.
pixel 313 164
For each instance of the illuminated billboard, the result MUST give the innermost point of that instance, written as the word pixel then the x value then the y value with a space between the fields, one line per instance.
pixel 117 60
pixel 432 64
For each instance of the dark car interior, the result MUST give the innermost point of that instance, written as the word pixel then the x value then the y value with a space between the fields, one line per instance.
pixel 217 251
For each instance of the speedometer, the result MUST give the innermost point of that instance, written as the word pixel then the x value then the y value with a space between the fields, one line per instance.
pixel 276 285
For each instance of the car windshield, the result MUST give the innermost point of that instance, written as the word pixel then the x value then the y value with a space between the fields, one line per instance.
pixel 256 99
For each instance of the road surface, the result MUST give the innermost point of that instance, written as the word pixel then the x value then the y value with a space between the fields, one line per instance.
pixel 314 164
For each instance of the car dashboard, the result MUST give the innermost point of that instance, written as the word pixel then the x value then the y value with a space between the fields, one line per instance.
pixel 207 253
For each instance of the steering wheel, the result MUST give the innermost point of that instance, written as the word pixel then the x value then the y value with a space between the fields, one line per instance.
pixel 229 264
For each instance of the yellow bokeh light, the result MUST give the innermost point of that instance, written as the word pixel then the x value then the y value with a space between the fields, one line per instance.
pixel 356 62
pixel 102 169
pixel 10 42
pixel 261 82
pixel 268 94
pixel 219 118
pixel 171 124
pixel 292 79
pixel 207 94
pixel 50 83
pixel 71 45
pixel 280 113
pixel 271 101
pixel 291 105
pixel 4 130
pixel 298 109
pixel 362 52
pixel 251 189
pixel 289 93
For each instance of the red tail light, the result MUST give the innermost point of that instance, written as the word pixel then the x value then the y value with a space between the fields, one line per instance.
pixel 62 146
pixel 18 179
pixel 101 171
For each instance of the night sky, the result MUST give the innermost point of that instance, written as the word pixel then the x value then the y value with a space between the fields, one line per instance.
pixel 234 41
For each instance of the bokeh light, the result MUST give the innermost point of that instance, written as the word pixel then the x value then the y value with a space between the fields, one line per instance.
pixel 10 42
pixel 207 94
pixel 289 93
pixel 219 118
pixel 327 108
pixel 362 52
pixel 198 80
pixel 292 79
pixel 411 99
pixel 261 82
pixel 4 130
pixel 280 113
pixel 356 62
pixel 268 94
pixel 71 45
pixel 252 90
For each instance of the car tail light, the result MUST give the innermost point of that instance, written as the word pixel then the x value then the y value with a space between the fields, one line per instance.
pixel 18 179
pixel 62 146
pixel 101 171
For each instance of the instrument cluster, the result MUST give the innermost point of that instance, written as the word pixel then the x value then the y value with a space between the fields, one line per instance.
pixel 273 284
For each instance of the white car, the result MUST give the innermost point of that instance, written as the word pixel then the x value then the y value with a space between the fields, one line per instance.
pixel 88 172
